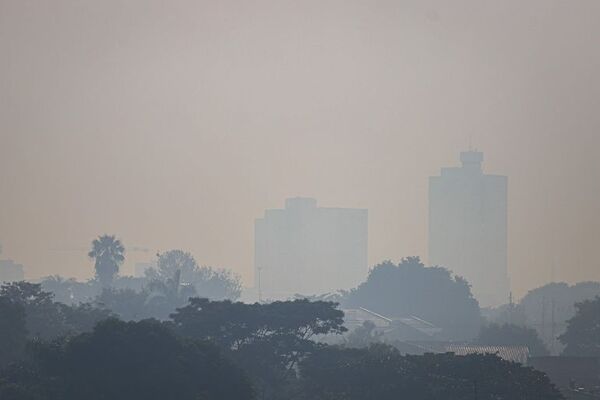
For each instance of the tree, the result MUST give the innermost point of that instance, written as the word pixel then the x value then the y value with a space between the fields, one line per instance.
pixel 69 291
pixel 128 361
pixel 232 325
pixel 267 340
pixel 215 284
pixel 26 293
pixel 43 319
pixel 13 333
pixel 158 299
pixel 46 319
pixel 164 296
pixel 512 335
pixel 172 261
pixel 82 317
pixel 108 253
pixel 381 372
pixel 582 337
pixel 364 335
pixel 411 289
pixel 555 301
pixel 127 304
pixel 61 288
pixel 136 283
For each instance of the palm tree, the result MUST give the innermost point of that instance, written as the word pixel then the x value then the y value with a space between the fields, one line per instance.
pixel 108 252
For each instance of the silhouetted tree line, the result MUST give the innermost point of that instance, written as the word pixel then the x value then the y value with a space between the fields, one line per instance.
pixel 176 277
pixel 128 361
pixel 160 340
pixel 381 372
pixel 582 336
pixel 546 309
pixel 226 350
pixel 27 313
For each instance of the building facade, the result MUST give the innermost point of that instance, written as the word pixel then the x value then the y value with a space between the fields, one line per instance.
pixel 468 227
pixel 306 249
pixel 10 271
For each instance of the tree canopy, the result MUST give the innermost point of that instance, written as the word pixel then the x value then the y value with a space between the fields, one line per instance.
pixel 126 361
pixel 380 372
pixel 267 340
pixel 582 337
pixel 234 324
pixel 363 336
pixel 108 253
pixel 231 350
pixel 429 293
pixel 212 283
pixel 46 319
pixel 13 331
pixel 559 296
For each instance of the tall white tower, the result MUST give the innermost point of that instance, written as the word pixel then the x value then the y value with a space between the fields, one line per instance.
pixel 468 227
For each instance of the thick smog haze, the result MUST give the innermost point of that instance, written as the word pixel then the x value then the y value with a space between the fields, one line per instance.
pixel 176 124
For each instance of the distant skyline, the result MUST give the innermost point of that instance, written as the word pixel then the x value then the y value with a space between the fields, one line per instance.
pixel 468 226
pixel 175 125
pixel 308 249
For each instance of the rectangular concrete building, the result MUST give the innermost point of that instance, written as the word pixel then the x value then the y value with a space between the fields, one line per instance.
pixel 305 249
pixel 468 227
pixel 11 271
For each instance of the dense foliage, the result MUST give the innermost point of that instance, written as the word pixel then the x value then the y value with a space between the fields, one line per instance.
pixel 108 254
pixel 13 332
pixel 126 361
pixel 364 335
pixel 215 284
pixel 380 372
pixel 227 350
pixel 46 319
pixel 432 294
pixel 582 337
pixel 176 278
pixel 267 340
pixel 556 298
pixel 546 309
pixel 177 345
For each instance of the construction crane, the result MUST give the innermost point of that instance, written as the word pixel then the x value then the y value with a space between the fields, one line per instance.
pixel 130 249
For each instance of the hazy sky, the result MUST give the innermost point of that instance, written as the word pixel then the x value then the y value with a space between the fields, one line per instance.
pixel 174 124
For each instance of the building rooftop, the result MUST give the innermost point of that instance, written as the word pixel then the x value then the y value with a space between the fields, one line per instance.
pixel 519 354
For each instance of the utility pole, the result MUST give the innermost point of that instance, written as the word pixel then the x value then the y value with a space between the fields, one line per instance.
pixel 544 336
pixel 553 329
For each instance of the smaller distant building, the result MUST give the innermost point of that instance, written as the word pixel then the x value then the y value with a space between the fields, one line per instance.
pixel 11 271
pixel 518 354
pixel 304 249
pixel 404 328
pixel 413 335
